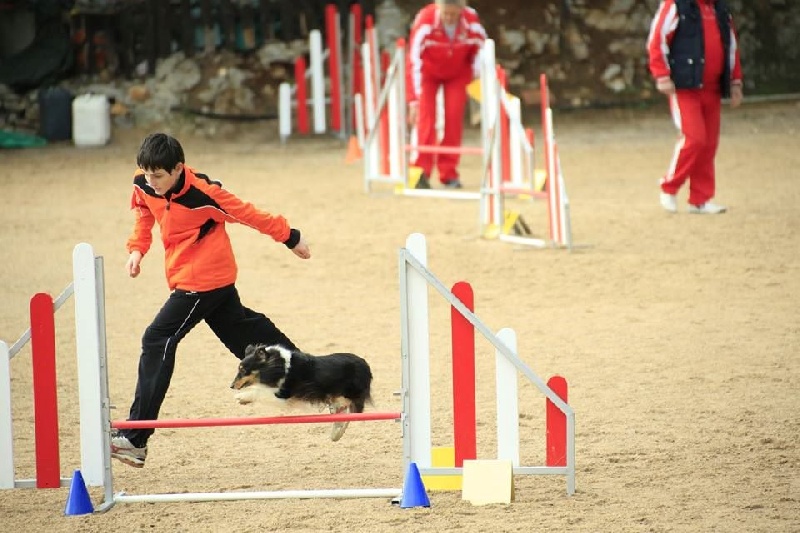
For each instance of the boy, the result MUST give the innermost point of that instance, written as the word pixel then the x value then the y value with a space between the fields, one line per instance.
pixel 191 211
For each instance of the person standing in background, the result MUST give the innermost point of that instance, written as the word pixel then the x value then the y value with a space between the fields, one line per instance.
pixel 694 59
pixel 444 46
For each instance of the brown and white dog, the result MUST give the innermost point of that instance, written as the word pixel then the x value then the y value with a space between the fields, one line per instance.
pixel 342 381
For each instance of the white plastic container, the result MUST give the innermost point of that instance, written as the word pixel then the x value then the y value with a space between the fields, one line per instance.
pixel 91 120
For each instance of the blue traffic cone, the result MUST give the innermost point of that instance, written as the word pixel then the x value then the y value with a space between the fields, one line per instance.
pixel 414 494
pixel 78 501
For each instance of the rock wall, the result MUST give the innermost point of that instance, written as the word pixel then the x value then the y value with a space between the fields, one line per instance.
pixel 593 51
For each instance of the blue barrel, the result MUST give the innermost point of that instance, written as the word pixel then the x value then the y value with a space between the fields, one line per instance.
pixel 55 114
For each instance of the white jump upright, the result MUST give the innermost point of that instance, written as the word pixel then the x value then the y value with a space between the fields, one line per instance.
pixel 7 474
pixel 90 338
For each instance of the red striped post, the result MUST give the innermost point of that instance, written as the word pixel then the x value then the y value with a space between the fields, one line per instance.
pixel 463 334
pixel 334 63
pixel 556 425
pixel 385 63
pixel 544 98
pixel 45 395
pixel 505 128
pixel 356 74
pixel 530 136
pixel 301 96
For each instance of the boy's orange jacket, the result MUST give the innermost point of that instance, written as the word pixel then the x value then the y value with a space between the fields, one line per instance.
pixel 197 249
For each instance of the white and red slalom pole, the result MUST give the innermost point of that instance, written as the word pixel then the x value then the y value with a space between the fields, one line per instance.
pixel 558 202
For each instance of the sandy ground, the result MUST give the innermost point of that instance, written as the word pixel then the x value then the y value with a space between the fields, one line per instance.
pixel 678 334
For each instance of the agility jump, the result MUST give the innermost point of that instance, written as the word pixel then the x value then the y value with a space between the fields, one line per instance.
pixel 507 148
pixel 88 292
pixel 96 424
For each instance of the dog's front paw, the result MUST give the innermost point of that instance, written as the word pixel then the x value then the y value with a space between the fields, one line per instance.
pixel 244 396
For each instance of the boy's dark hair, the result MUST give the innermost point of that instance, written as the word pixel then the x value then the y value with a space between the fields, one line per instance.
pixel 160 150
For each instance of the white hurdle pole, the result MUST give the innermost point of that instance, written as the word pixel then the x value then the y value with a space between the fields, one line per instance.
pixel 371 147
pixel 507 407
pixel 397 130
pixel 256 495
pixel 90 343
pixel 491 210
pixel 317 80
pixel 6 425
pixel 416 356
pixel 284 111
pixel 515 140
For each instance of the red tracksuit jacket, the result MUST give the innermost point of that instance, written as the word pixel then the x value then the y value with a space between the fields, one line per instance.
pixel 432 54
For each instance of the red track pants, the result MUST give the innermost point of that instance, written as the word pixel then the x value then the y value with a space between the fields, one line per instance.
pixel 696 114
pixel 455 98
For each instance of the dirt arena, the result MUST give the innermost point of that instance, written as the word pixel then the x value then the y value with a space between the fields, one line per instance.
pixel 679 334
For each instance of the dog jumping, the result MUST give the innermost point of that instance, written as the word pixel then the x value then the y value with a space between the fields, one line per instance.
pixel 342 381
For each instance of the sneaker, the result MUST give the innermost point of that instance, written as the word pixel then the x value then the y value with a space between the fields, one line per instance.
pixel 123 450
pixel 707 208
pixel 423 183
pixel 668 202
pixel 338 427
pixel 453 184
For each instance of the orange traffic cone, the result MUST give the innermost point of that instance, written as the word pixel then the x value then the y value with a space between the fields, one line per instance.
pixel 353 150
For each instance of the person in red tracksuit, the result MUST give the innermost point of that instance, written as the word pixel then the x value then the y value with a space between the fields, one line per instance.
pixel 694 58
pixel 444 45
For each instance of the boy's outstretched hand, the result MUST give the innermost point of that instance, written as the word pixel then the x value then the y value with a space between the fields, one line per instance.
pixel 132 266
pixel 301 250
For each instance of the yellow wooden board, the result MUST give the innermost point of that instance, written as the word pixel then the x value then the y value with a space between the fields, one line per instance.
pixel 443 456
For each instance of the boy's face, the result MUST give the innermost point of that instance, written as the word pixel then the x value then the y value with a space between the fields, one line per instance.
pixel 161 180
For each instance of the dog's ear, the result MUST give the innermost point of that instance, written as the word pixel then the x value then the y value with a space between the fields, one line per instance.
pixel 250 350
pixel 263 353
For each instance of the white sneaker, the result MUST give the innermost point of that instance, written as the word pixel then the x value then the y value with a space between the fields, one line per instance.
pixel 669 202
pixel 707 208
pixel 123 450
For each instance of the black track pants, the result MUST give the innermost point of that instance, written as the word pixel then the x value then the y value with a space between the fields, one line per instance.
pixel 234 324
